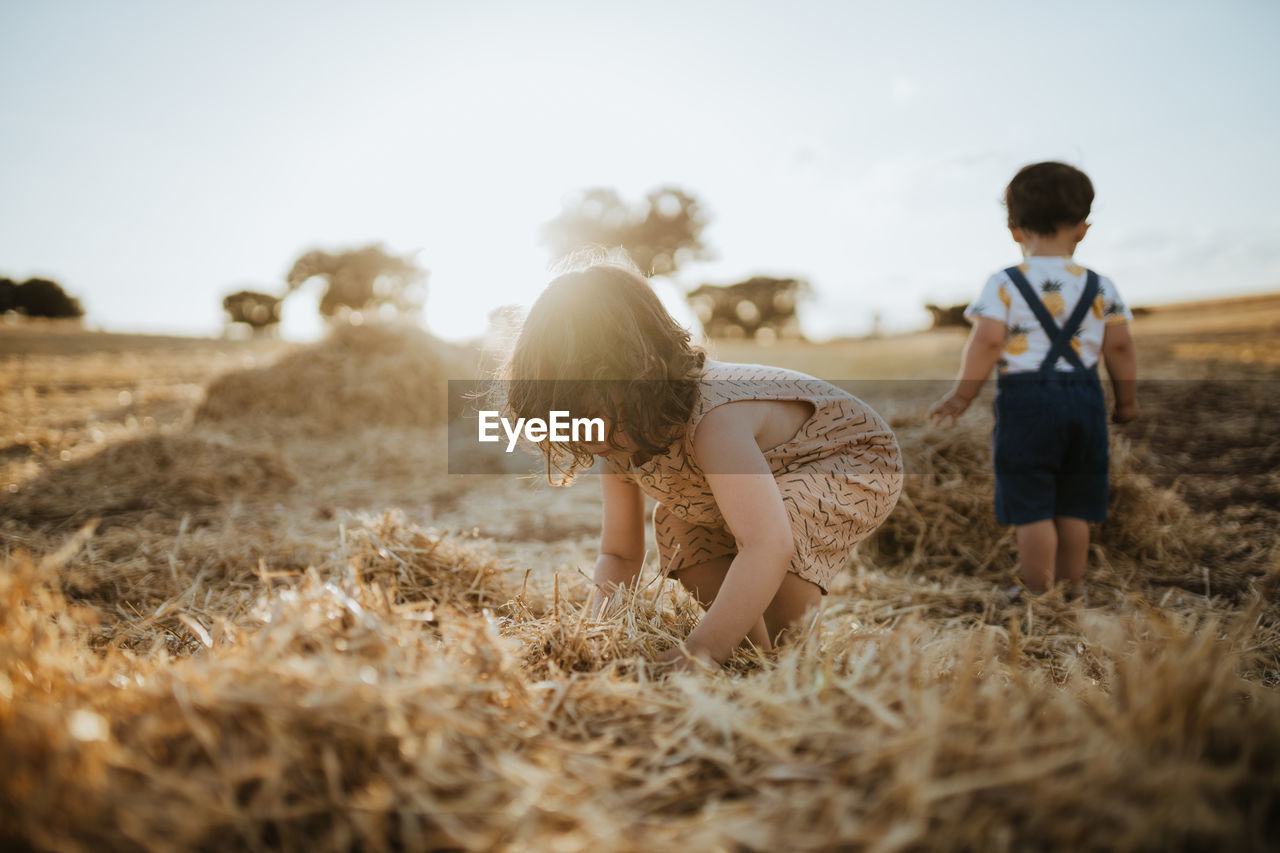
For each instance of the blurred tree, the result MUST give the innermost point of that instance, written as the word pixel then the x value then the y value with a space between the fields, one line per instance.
pixel 660 234
pixel 952 315
pixel 362 279
pixel 37 297
pixel 259 311
pixel 8 296
pixel 760 307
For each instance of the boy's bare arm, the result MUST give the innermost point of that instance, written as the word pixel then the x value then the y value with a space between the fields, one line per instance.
pixel 981 352
pixel 1121 358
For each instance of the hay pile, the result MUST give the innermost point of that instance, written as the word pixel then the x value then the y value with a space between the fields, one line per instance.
pixel 158 473
pixel 360 417
pixel 359 376
pixel 411 693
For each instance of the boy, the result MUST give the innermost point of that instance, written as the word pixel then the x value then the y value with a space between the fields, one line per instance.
pixel 1045 322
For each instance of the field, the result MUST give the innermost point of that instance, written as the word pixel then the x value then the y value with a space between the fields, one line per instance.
pixel 245 606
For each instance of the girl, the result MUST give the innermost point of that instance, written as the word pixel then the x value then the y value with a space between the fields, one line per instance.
pixel 764 478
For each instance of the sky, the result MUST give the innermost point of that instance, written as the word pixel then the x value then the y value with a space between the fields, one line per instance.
pixel 155 156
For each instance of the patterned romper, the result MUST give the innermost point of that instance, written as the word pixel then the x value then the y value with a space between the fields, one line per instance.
pixel 840 475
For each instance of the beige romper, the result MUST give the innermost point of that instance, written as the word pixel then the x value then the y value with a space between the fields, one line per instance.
pixel 839 475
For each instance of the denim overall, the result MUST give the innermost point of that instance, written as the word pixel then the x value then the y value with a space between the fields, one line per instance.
pixel 1050 442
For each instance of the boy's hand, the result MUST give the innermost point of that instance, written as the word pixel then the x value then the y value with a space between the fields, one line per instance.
pixel 946 411
pixel 1125 413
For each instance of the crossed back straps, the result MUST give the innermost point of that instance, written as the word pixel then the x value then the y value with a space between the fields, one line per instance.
pixel 1059 338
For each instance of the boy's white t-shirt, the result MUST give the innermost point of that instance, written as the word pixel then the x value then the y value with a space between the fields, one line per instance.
pixel 1059 282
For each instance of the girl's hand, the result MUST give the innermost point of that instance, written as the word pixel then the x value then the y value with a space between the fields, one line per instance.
pixel 679 659
pixel 946 411
pixel 599 602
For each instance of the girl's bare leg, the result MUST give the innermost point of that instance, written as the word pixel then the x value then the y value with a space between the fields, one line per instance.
pixel 703 581
pixel 792 607
pixel 1073 551
pixel 1037 552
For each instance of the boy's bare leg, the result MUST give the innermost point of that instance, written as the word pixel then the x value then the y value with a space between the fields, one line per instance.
pixel 1073 551
pixel 791 607
pixel 1037 553
pixel 703 581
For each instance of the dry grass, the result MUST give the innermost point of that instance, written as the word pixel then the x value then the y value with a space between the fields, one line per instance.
pixel 944 525
pixel 154 473
pixel 361 376
pixel 251 652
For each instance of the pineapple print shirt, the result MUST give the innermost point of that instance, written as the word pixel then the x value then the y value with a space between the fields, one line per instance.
pixel 1059 282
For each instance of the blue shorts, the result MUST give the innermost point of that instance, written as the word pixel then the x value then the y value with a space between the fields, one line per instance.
pixel 1051 447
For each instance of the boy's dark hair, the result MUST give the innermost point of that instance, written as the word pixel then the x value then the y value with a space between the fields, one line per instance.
pixel 1044 197
pixel 599 343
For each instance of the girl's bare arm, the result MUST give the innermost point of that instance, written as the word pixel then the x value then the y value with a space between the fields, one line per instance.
pixel 622 536
pixel 748 497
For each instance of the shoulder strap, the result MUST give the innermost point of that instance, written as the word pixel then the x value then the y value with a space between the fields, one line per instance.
pixel 1059 338
pixel 1030 297
pixel 1062 342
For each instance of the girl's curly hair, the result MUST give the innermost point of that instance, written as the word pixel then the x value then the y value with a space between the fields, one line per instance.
pixel 599 343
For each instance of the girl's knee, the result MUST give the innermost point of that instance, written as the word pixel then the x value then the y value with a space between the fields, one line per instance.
pixel 793 607
pixel 698 590
pixel 703 580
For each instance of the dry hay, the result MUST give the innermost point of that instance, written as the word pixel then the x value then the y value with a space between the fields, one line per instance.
pixel 359 375
pixel 410 693
pixel 252 677
pixel 945 525
pixel 164 474
pixel 1217 439
pixel 142 580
